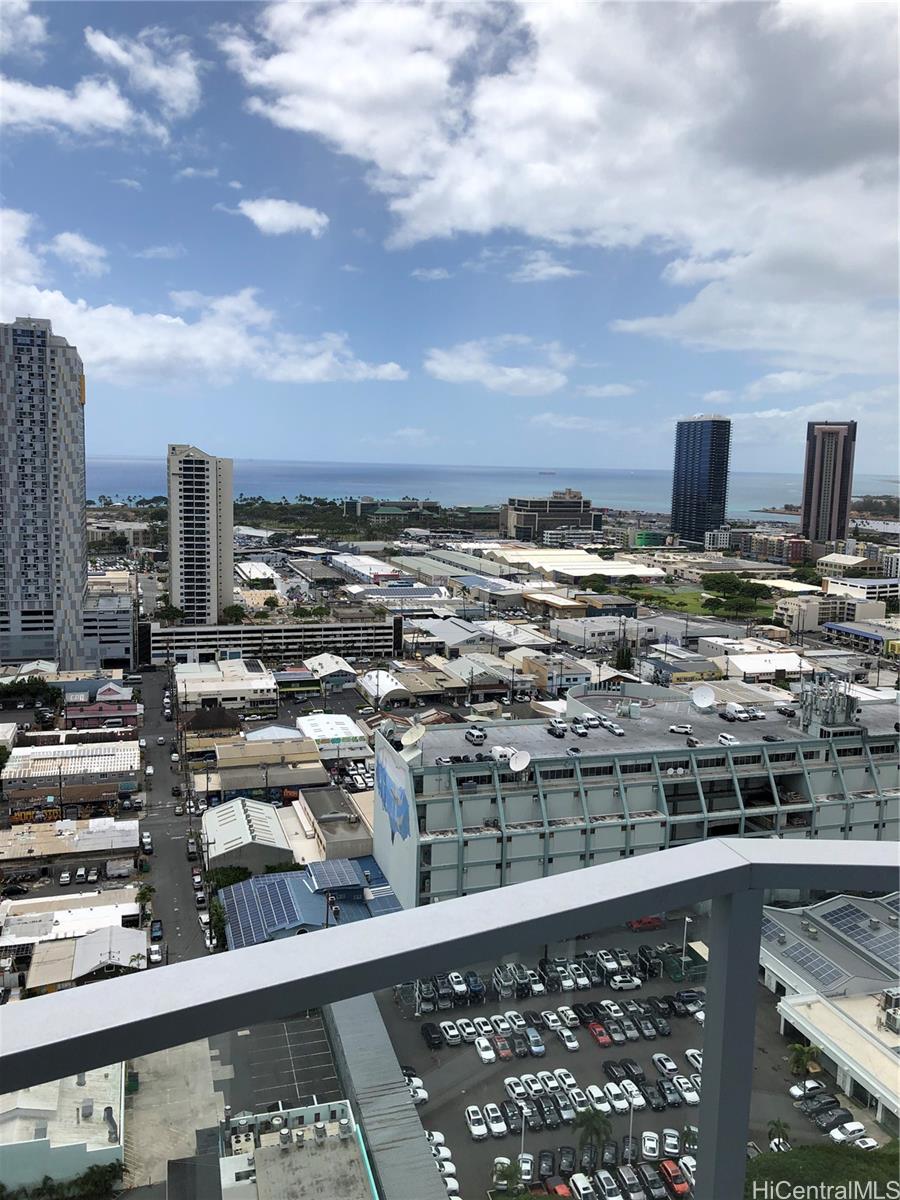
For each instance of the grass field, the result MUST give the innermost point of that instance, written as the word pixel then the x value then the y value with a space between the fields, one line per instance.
pixel 690 602
pixel 874 1172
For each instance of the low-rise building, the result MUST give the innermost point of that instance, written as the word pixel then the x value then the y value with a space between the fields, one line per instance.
pixel 276 642
pixel 242 684
pixel 51 843
pixel 74 961
pixel 74 778
pixel 887 590
pixel 383 689
pixel 781 667
pixel 556 673
pixel 838 565
pixel 337 824
pixel 365 568
pixel 670 668
pixel 333 673
pixel 246 833
pixel 808 613
pixel 607 604
pixel 62 1129
pixel 335 736
pixel 873 637
pixel 100 704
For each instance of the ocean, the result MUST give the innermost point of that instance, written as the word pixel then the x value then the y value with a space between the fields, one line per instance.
pixel 646 491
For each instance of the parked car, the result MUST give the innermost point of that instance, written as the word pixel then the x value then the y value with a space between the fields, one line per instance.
pixel 624 983
pixel 826 1121
pixel 512 1115
pixel 467 1030
pixel 483 1049
pixel 651 1181
pixel 671 1143
pixel 450 1033
pixel 807 1089
pixel 156 930
pixel 653 1096
pixel 599 1034
pixel 568 1039
pixel 155 955
pixel 650 1145
pixel 852 1131
pixel 640 924
pixel 476 1123
pixel 688 1092
pixel 432 1036
pixel 670 1093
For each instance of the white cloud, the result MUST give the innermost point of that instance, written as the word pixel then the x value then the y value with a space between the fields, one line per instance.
pixel 282 216
pixel 350 269
pixel 430 274
pixel 21 31
pixel 719 396
pixel 156 62
pixel 757 156
pixel 197 173
pixel 606 391
pixel 236 184
pixel 85 257
pixel 874 409
pixel 133 185
pixel 206 338
pixel 476 362
pixel 539 266
pixel 164 252
pixel 94 107
pixel 779 382
pixel 571 423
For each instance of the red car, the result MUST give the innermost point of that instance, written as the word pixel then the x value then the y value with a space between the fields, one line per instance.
pixel 599 1034
pixel 501 1047
pixel 673 1178
pixel 645 923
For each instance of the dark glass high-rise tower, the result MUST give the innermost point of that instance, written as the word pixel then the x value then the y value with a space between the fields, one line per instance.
pixel 827 480
pixel 700 479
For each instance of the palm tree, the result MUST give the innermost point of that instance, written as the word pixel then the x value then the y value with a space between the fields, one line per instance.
pixel 801 1056
pixel 779 1130
pixel 145 894
pixel 511 1176
pixel 592 1126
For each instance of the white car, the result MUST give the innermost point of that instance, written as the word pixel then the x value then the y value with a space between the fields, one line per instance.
pixel 688 1165
pixel 451 1033
pixel 851 1132
pixel 441 1153
pixel 565 1079
pixel 566 982
pixel 866 1143
pixel 581 977
pixel 688 1092
pixel 435 1137
pixel 579 1101
pixel 700 1017
pixel 467 1030
pixel 548 1082
pixel 418 1095
pixel 155 955
pixel 65 878
pixel 413 1081
pixel 611 1009
pixel 494 1119
pixel 568 1018
pixel 485 1050
pixel 617 1098
pixel 532 1086
pixel 807 1089
pixel 174 757
pixel 483 1027
pixel 615 729
pixel 451 1183
pixel 624 983
pixel 501 1025
pixel 526 1167
pixel 597 1098
pixel 568 1039
pixel 516 1020
pixel 665 1065
pixel 535 983
pixel 458 984
pixel 728 739
pixel 447 1170
pixel 476 1123
pixel 515 1088
pixel 142 743
pixel 635 1099
pixel 551 1020
pixel 681 729
pixel 695 1058
pixel 650 1145
pixel 697 1081
pixel 671 1143
pixel 209 941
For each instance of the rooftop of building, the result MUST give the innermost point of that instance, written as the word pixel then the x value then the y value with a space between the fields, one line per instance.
pixel 65 918
pixel 90 758
pixel 66 1112
pixel 516 634
pixel 332 728
pixel 64 961
pixel 224 671
pixel 55 839
pixel 807 944
pixel 841 560
pixel 866 582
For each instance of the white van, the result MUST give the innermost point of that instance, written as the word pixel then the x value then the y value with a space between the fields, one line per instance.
pixel 581 1187
pixel 476 736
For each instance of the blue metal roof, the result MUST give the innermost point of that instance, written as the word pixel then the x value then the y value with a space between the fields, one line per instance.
pixel 333 874
pixel 854 630
pixel 377 877
pixel 865 580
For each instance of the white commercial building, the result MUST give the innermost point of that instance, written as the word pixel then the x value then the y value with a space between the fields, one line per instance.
pixel 245 833
pixel 864 589
pixel 43 539
pixel 201 534
pixel 240 683
pixel 381 688
pixel 804 613
pixel 333 672
pixel 335 735
pixel 365 568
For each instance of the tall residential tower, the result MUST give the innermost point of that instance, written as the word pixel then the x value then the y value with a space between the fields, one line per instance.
pixel 43 539
pixel 827 480
pixel 700 479
pixel 201 534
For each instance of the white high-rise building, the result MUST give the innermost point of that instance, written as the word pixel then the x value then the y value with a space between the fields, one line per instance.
pixel 43 540
pixel 201 534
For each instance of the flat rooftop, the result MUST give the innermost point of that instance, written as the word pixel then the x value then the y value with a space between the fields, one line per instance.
pixel 92 758
pixel 60 1107
pixel 56 839
pixel 646 734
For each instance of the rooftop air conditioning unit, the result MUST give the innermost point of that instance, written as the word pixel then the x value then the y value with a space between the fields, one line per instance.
pixel 893 919
pixel 813 935
pixel 782 938
pixel 892 1020
pixel 345 1130
pixel 320 1132
pixel 874 923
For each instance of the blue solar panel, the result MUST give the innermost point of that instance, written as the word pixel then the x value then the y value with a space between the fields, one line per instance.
pixel 770 929
pixel 853 922
pixel 379 905
pixel 892 901
pixel 815 964
pixel 336 873
pixel 244 920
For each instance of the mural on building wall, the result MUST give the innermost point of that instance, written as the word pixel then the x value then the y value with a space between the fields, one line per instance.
pixel 392 790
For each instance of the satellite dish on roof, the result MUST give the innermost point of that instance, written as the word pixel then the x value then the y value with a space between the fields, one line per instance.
pixel 703 697
pixel 520 760
pixel 414 734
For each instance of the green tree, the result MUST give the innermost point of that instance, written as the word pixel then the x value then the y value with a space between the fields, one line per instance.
pixel 233 614
pixel 222 877
pixel 167 613
pixel 145 894
pixel 624 659
pixel 592 1126
pixel 271 602
pixel 510 1175
pixel 217 920
pixel 802 1054
pixel 779 1130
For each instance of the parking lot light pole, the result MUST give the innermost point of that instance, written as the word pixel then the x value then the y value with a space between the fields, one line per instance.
pixel 687 921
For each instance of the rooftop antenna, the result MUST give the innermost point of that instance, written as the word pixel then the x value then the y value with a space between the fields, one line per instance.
pixel 519 761
pixel 414 734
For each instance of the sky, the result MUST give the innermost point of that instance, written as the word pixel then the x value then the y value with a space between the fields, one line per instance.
pixel 487 233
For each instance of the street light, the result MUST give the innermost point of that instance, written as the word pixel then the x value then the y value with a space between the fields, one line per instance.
pixel 687 921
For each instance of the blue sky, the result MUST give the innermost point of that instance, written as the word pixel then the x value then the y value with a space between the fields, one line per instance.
pixel 479 234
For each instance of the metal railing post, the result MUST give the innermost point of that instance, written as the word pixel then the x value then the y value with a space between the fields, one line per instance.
pixel 729 1037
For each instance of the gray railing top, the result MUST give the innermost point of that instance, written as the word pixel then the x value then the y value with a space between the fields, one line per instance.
pixel 48 1037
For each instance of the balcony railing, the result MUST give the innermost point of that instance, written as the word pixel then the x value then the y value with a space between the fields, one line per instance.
pixel 44 1038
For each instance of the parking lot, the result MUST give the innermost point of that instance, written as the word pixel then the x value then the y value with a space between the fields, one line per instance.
pixel 454 1077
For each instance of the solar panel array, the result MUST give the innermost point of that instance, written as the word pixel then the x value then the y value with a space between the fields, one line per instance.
pixel 335 873
pixel 814 963
pixel 892 901
pixel 245 922
pixel 388 903
pixel 853 922
pixel 770 929
pixel 276 904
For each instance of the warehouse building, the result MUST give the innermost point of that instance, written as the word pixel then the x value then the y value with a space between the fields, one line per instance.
pixel 333 673
pixel 448 825
pixel 241 684
pixel 75 779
